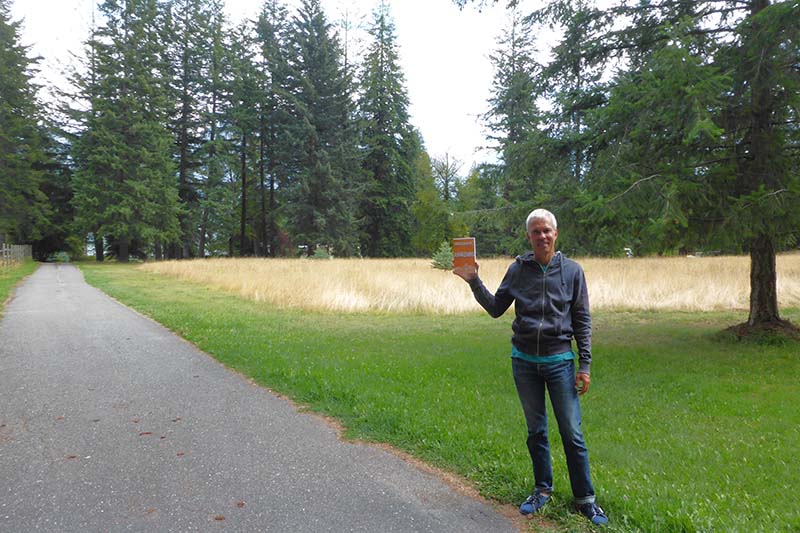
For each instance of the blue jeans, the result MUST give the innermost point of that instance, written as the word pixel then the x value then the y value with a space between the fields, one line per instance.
pixel 559 379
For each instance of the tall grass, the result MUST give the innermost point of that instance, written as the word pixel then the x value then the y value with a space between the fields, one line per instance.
pixel 685 432
pixel 411 285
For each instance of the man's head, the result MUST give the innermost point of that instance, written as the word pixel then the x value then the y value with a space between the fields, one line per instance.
pixel 541 227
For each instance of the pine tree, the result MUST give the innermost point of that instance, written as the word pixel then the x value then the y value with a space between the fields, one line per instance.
pixel 324 192
pixel 125 179
pixel 188 34
pixel 389 143
pixel 24 210
pixel 275 112
pixel 216 199
pixel 513 116
pixel 528 168
pixel 244 128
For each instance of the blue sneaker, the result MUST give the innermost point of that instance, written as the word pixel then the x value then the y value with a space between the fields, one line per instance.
pixel 533 503
pixel 594 513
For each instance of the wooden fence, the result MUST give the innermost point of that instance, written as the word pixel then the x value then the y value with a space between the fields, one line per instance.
pixel 10 254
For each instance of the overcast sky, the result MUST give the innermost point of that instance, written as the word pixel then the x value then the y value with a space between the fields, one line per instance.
pixel 443 51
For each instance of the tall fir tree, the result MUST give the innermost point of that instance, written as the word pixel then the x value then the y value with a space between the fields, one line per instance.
pixel 324 192
pixel 24 209
pixel 390 145
pixel 514 121
pixel 125 179
pixel 276 108
pixel 244 123
pixel 217 204
pixel 513 115
pixel 188 33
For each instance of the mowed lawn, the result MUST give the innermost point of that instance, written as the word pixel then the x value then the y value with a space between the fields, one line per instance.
pixel 686 432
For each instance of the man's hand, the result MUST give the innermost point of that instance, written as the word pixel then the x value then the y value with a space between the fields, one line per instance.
pixel 582 381
pixel 467 272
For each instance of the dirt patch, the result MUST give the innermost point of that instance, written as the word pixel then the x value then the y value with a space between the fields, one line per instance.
pixel 778 331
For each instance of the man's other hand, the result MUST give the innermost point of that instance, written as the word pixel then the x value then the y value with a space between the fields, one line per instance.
pixel 582 381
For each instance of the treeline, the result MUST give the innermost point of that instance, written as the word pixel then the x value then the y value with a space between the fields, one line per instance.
pixel 664 127
pixel 186 137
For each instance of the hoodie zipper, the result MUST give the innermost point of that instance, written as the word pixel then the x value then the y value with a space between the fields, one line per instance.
pixel 541 319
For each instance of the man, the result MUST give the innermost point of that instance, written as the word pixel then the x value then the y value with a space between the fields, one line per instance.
pixel 552 307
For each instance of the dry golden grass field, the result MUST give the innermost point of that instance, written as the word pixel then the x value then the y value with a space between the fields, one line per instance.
pixel 413 286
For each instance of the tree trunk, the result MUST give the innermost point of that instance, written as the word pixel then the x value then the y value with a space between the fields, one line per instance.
pixel 243 221
pixel 760 171
pixel 262 231
pixel 202 246
pixel 98 248
pixel 124 253
pixel 763 282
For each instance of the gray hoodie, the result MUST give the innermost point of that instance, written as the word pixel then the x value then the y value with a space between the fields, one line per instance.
pixel 551 307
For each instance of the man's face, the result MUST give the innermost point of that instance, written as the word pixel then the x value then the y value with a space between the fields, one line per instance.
pixel 542 236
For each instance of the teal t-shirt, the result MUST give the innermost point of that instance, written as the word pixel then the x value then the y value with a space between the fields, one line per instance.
pixel 542 359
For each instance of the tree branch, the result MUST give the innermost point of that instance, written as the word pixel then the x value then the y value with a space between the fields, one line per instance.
pixel 635 184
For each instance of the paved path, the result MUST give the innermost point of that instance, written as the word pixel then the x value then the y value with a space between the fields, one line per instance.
pixel 109 422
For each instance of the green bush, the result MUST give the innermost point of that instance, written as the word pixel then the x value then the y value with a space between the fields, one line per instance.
pixel 443 258
pixel 321 253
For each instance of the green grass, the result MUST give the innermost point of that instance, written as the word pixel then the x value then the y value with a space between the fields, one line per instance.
pixel 685 432
pixel 9 277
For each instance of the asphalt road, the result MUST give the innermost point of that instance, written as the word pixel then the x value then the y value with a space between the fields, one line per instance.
pixel 109 422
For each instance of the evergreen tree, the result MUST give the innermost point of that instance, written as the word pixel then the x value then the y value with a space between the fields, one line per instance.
pixel 276 108
pixel 389 144
pixel 125 179
pixel 528 169
pixel 24 210
pixel 57 187
pixel 217 201
pixel 324 192
pixel 188 34
pixel 696 140
pixel 244 122
pixel 513 116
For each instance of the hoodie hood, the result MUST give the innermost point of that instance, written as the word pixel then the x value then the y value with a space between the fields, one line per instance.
pixel 530 257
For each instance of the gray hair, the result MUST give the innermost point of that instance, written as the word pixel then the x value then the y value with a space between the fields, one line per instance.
pixel 541 214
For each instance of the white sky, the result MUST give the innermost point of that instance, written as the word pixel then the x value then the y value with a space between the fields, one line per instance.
pixel 443 51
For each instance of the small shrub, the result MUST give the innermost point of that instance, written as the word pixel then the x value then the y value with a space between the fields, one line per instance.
pixel 443 258
pixel 321 253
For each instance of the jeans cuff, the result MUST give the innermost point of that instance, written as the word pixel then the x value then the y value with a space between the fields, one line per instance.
pixel 585 499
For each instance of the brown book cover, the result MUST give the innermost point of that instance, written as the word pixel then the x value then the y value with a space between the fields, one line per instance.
pixel 464 251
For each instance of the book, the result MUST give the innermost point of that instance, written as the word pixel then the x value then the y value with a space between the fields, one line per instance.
pixel 464 252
